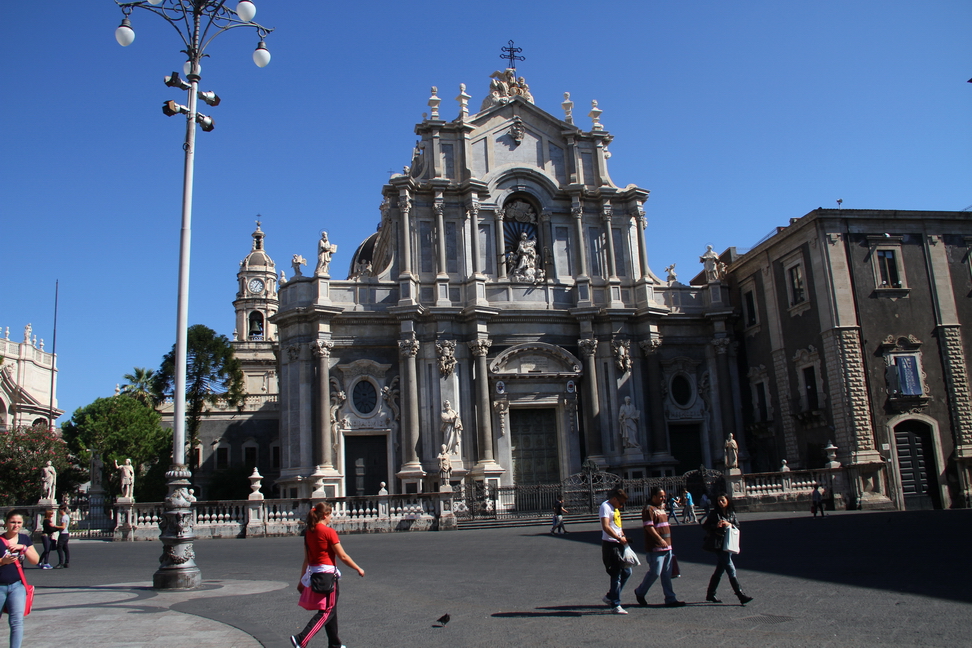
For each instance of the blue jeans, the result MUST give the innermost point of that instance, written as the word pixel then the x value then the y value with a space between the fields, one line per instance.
pixel 659 563
pixel 724 564
pixel 14 597
pixel 616 570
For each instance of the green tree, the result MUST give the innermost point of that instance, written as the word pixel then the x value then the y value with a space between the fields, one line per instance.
pixel 122 427
pixel 212 372
pixel 141 385
pixel 23 452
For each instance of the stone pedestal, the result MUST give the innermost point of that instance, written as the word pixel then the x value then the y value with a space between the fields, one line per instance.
pixel 734 484
pixel 412 477
pixel 125 522
pixel 447 517
pixel 45 502
pixel 255 524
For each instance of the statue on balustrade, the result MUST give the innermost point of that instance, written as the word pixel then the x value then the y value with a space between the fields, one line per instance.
pixel 732 453
pixel 48 481
pixel 127 478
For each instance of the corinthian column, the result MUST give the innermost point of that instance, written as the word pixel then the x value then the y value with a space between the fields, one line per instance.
pixel 592 431
pixel 409 349
pixel 479 349
pixel 659 435
pixel 322 351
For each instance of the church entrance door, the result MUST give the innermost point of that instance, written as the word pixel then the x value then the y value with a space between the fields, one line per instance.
pixel 533 435
pixel 686 445
pixel 365 464
pixel 916 465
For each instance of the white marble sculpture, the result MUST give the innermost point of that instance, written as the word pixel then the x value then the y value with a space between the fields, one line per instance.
pixel 298 261
pixel 628 417
pixel 127 478
pixel 324 251
pixel 48 480
pixel 451 427
pixel 732 453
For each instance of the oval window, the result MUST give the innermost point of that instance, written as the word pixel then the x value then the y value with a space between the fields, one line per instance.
pixel 365 397
pixel 681 390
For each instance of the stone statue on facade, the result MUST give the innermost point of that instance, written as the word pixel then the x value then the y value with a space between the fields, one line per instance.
pixel 628 417
pixel 445 465
pixel 714 269
pixel 48 481
pixel 732 453
pixel 447 356
pixel 670 271
pixel 296 262
pixel 504 86
pixel 784 467
pixel 451 428
pixel 27 330
pixel 522 262
pixel 127 478
pixel 324 251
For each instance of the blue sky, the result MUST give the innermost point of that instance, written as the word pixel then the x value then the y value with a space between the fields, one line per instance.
pixel 736 115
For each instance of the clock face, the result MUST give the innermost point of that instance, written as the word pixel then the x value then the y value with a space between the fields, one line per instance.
pixel 255 286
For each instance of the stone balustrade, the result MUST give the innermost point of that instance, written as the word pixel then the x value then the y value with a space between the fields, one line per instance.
pixel 770 491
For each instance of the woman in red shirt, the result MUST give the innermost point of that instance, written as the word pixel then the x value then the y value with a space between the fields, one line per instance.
pixel 321 546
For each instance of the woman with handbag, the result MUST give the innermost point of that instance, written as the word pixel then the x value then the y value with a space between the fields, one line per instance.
pixel 318 585
pixel 716 524
pixel 14 592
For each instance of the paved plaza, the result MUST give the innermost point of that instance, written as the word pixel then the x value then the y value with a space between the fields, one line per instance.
pixel 852 579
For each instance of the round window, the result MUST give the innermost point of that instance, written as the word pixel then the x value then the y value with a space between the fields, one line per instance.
pixel 681 390
pixel 365 397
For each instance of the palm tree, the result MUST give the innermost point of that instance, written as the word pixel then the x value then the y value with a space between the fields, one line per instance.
pixel 139 386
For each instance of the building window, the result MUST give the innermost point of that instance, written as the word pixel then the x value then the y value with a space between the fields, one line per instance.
pixel 595 250
pixel 426 257
pixel 888 268
pixel 275 457
pixel 486 254
pixel 364 396
pixel 255 328
pixel 749 306
pixel 906 381
pixel 620 258
pixel 250 457
pixel 762 404
pixel 222 458
pixel 452 248
pixel 810 383
pixel 795 277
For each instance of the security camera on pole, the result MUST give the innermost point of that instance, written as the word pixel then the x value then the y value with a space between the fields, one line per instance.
pixel 198 23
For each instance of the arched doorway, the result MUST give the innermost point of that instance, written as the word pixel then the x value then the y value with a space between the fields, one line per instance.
pixel 916 465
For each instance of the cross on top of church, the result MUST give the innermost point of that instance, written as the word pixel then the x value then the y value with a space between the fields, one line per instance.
pixel 510 53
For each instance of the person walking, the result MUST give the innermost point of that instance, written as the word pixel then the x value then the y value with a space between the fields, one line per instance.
pixel 613 544
pixel 673 508
pixel 13 590
pixel 321 549
pixel 658 550
pixel 558 516
pixel 688 507
pixel 48 537
pixel 715 524
pixel 63 535
pixel 706 505
pixel 816 501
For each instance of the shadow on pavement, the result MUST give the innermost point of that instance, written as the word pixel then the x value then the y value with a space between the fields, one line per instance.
pixel 916 552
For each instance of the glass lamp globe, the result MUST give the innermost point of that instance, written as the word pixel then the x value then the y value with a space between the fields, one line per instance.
pixel 187 68
pixel 125 35
pixel 246 10
pixel 261 55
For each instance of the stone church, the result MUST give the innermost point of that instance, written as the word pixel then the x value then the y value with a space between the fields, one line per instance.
pixel 502 323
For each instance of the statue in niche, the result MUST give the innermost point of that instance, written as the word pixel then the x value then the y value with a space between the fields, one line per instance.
pixel 732 453
pixel 445 465
pixel 451 428
pixel 447 356
pixel 48 481
pixel 628 418
pixel 296 263
pixel 127 478
pixel 710 262
pixel 337 400
pixel 324 251
pixel 522 262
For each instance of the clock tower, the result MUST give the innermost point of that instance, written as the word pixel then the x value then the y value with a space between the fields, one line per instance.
pixel 256 297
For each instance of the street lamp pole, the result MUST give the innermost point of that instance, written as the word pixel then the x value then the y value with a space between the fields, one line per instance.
pixel 198 22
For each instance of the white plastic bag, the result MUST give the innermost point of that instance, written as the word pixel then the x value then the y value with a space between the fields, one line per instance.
pixel 629 558
pixel 731 542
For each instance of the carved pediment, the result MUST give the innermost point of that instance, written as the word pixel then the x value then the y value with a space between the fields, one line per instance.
pixel 535 359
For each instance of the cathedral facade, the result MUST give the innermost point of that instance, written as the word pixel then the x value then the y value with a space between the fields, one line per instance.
pixel 502 324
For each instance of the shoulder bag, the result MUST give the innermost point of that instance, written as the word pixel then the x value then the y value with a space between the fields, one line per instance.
pixel 29 602
pixel 321 582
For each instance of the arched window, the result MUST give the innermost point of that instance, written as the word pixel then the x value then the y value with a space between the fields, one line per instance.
pixel 255 329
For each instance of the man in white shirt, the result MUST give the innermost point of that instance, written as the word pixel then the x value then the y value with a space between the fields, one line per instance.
pixel 613 544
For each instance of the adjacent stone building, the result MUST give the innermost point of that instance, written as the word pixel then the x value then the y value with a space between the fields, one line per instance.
pixel 28 382
pixel 856 327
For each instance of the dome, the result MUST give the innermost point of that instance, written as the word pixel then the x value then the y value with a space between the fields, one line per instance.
pixel 258 257
pixel 362 258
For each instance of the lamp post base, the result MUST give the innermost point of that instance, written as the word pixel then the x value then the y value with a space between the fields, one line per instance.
pixel 177 569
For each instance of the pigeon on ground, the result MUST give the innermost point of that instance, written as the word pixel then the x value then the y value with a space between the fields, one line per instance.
pixel 444 619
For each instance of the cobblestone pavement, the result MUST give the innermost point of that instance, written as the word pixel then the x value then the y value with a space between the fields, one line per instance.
pixel 851 579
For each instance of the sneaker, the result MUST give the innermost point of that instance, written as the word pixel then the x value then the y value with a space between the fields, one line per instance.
pixel 641 599
pixel 294 642
pixel 58 566
pixel 607 601
pixel 46 566
pixel 617 609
